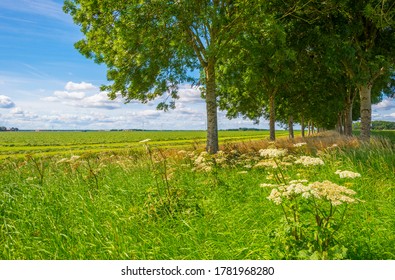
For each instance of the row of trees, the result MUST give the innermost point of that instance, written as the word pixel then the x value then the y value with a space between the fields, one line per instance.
pixel 3 128
pixel 305 61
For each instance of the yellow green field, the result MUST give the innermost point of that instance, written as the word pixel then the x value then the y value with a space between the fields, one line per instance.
pixel 51 143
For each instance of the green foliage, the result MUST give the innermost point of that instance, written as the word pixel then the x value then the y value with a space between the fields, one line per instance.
pixel 378 125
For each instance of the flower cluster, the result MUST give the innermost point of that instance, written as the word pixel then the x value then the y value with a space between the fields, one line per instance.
pixel 272 153
pixel 308 161
pixel 203 162
pixel 347 174
pixel 299 144
pixel 325 190
pixel 332 192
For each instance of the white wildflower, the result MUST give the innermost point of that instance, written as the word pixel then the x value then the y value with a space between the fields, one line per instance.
pixel 332 192
pixel 308 161
pixel 272 153
pixel 347 174
pixel 298 181
pixel 300 144
pixel 275 196
pixel 266 163
pixel 266 185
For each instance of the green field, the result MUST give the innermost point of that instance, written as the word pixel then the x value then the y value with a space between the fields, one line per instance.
pixel 145 201
pixel 51 143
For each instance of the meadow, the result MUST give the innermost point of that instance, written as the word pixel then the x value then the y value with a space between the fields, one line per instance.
pixel 320 197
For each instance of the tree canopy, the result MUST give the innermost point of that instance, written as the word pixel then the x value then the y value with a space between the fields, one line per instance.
pixel 298 60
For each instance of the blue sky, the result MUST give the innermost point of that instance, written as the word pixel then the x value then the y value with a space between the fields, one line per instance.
pixel 45 83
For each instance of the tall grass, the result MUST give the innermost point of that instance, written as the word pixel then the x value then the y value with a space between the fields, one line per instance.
pixel 159 205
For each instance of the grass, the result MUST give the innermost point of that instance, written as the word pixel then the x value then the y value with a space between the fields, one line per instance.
pixel 159 204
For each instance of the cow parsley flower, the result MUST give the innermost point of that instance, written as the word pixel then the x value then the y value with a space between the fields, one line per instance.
pixel 347 174
pixel 309 161
pixel 272 153
pixel 300 144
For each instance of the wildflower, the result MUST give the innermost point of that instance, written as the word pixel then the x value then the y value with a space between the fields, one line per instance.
pixel 272 153
pixel 332 192
pixel 347 174
pixel 266 163
pixel 275 196
pixel 300 144
pixel 203 162
pixel 145 140
pixel 298 181
pixel 266 185
pixel 308 161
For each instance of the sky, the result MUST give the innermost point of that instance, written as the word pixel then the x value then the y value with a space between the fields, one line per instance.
pixel 45 83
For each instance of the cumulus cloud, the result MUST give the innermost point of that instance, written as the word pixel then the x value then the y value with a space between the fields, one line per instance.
pixel 70 86
pixel 17 111
pixel 6 102
pixel 77 95
pixel 69 95
pixel 386 104
pixel 190 94
pixel 99 100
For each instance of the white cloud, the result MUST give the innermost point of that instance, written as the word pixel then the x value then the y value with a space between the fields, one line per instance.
pixel 17 111
pixel 100 100
pixel 6 102
pixel 386 104
pixel 190 94
pixel 50 99
pixel 76 95
pixel 70 86
pixel 69 95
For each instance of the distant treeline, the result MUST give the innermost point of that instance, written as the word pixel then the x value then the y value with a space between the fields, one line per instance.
pixel 3 128
pixel 378 125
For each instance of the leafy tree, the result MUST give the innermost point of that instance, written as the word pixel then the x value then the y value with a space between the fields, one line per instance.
pixel 358 40
pixel 256 72
pixel 151 47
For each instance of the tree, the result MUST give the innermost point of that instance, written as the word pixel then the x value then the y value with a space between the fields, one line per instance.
pixel 151 47
pixel 256 71
pixel 363 41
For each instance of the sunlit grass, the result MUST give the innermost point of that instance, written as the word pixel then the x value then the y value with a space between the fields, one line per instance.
pixel 129 205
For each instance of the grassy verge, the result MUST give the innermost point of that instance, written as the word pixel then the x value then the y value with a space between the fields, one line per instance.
pixel 156 203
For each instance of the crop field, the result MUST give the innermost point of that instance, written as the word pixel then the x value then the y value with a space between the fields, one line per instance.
pixel 54 143
pixel 106 195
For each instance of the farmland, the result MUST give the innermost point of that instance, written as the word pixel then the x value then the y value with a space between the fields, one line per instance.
pixel 253 200
pixel 54 143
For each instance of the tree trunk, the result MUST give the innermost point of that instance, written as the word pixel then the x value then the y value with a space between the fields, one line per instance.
pixel 302 125
pixel 340 123
pixel 272 117
pixel 291 127
pixel 211 107
pixel 366 110
pixel 348 119
pixel 312 128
